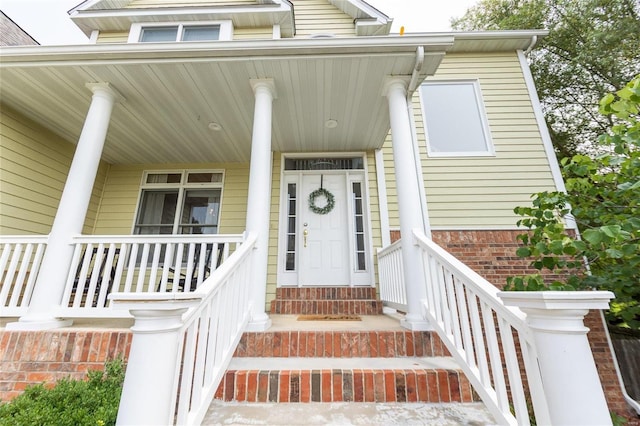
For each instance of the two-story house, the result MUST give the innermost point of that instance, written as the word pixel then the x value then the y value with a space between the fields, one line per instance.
pixel 139 164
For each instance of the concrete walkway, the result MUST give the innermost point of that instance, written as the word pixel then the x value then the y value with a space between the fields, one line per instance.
pixel 347 414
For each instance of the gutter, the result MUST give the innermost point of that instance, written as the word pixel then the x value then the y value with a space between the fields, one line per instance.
pixel 166 52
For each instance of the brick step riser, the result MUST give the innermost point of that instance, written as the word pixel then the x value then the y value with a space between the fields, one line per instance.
pixel 420 385
pixel 337 344
pixel 327 307
pixel 326 293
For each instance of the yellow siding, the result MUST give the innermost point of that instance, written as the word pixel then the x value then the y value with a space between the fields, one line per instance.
pixel 112 37
pixel 321 17
pixel 481 192
pixel 139 4
pixel 261 33
pixel 35 163
pixel 122 189
pixel 272 265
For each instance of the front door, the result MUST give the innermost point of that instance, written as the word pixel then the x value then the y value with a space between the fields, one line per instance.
pixel 324 254
pixel 328 246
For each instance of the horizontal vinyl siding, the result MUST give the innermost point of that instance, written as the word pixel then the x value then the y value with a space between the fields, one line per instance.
pixel 35 163
pixel 112 37
pixel 122 189
pixel 262 33
pixel 481 192
pixel 321 17
pixel 274 219
pixel 138 4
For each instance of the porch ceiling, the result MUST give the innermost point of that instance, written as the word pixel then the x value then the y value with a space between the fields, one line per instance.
pixel 174 91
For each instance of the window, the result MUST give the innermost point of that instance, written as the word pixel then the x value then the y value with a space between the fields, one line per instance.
pixel 173 32
pixel 183 202
pixel 455 121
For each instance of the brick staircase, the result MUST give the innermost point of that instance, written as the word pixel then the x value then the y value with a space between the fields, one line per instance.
pixel 368 361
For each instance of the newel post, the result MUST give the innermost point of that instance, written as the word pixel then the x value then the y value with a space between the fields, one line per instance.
pixel 151 380
pixel 570 379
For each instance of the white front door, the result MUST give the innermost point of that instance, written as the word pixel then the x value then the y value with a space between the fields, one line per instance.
pixel 331 249
pixel 324 252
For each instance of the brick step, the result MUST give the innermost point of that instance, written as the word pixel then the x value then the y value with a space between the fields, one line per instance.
pixel 326 293
pixel 345 344
pixel 334 307
pixel 346 385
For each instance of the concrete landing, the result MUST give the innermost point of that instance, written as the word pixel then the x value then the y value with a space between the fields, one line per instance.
pixel 347 414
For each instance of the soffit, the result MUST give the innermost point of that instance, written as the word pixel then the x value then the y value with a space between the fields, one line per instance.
pixel 172 94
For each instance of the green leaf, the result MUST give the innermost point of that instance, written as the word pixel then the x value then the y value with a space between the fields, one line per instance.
pixel 523 252
pixel 594 237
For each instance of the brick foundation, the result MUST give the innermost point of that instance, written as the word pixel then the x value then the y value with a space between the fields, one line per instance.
pixel 32 357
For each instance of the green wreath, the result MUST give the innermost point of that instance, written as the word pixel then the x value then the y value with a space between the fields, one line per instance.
pixel 330 201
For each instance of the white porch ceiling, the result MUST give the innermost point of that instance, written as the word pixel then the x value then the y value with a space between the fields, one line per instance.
pixel 173 93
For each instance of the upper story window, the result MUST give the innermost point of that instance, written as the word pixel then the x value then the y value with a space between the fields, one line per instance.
pixel 454 119
pixel 174 32
pixel 179 202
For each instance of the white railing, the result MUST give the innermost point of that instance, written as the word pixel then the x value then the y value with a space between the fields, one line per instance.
pixel 525 353
pixel 479 332
pixel 19 263
pixel 115 263
pixel 199 344
pixel 393 292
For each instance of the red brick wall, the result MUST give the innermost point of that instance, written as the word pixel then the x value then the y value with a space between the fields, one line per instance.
pixel 32 357
pixel 492 255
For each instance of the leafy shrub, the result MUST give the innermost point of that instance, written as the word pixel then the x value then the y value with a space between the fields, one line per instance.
pixel 70 402
pixel 603 197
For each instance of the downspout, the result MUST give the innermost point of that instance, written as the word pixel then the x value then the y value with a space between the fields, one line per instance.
pixel 413 85
pixel 534 40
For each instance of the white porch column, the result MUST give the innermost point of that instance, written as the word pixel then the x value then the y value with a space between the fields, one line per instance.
pixel 259 200
pixel 409 188
pixel 570 379
pixel 71 213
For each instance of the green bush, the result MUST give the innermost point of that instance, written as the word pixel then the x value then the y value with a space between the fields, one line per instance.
pixel 70 402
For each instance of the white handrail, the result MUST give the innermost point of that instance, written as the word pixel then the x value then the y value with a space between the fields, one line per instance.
pixel 202 343
pixel 478 330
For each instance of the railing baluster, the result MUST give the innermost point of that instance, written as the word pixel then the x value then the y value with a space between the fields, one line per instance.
pixel 513 372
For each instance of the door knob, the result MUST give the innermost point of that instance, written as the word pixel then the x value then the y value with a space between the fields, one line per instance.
pixel 305 233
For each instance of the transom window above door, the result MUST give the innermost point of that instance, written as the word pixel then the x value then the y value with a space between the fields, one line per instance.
pixel 179 202
pixel 177 32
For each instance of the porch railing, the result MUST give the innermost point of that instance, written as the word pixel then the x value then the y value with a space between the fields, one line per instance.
pixel 116 263
pixel 478 329
pixel 20 260
pixel 525 353
pixel 393 292
pixel 196 345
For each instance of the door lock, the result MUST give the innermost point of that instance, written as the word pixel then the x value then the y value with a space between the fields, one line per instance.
pixel 305 233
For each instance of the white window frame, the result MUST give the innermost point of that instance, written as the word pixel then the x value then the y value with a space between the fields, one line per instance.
pixel 182 186
pixel 458 121
pixel 226 30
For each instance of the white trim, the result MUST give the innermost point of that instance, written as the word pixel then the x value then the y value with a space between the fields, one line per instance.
pixel 484 122
pixel 556 173
pixel 383 205
pixel 276 32
pixel 225 34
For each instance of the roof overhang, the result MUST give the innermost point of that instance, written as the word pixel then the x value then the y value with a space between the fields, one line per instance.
pixel 174 91
pixel 114 16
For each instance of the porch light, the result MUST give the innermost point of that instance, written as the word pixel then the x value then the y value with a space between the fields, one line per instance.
pixel 216 127
pixel 331 124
